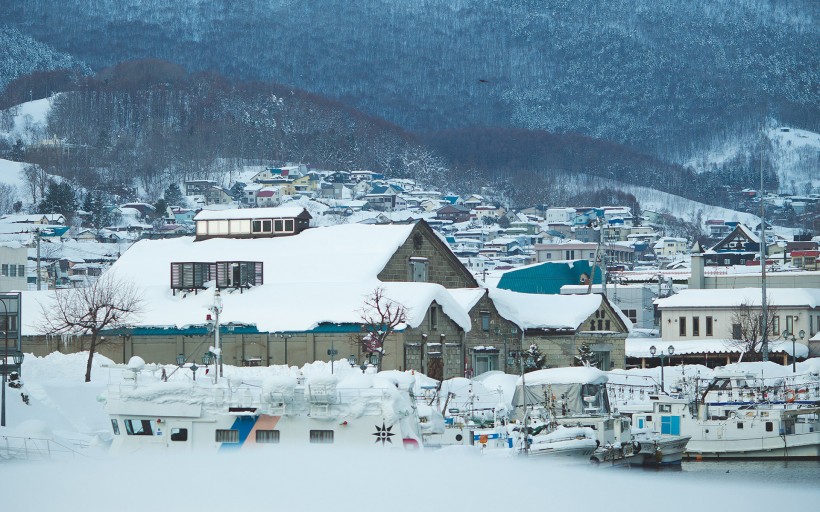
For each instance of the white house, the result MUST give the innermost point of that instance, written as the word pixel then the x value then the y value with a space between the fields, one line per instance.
pixel 698 315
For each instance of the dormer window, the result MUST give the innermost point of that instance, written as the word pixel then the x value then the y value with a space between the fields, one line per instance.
pixel 191 275
pixel 238 274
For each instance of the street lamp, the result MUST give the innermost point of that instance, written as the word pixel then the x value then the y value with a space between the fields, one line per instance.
pixel 802 334
pixel 662 355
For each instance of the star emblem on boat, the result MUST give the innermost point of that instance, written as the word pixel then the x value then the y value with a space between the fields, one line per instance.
pixel 383 434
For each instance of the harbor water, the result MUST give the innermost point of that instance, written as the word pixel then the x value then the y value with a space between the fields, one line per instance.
pixel 801 473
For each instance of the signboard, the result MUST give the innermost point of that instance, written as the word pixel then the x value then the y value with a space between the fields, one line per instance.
pixel 332 352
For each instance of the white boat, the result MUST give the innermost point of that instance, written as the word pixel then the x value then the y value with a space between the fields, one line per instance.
pixel 577 397
pixel 180 414
pixel 727 431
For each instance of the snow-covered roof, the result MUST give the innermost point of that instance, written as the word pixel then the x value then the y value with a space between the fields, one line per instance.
pixel 571 375
pixel 537 311
pixel 250 213
pixel 729 298
pixel 322 275
pixel 467 298
pixel 639 347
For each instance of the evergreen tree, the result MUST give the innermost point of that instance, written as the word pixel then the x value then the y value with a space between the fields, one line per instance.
pixel 534 359
pixel 585 357
pixel 173 195
pixel 60 199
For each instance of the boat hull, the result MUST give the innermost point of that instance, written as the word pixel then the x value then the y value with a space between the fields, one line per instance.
pixel 795 446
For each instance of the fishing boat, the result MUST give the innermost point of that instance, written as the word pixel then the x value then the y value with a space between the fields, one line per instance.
pixel 577 397
pixel 152 410
pixel 729 431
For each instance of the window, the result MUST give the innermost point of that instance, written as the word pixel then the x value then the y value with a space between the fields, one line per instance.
pixel 227 436
pixel 607 325
pixel 267 436
pixel 321 436
pixel 12 270
pixel 632 314
pixel 570 255
pixel 549 256
pixel 433 317
pixel 8 323
pixel 289 225
pixel 600 325
pixel 769 426
pixel 695 326
pixel 179 434
pixel 664 408
pixel 116 427
pixel 775 325
pixel 138 427
pixel 4 269
pixel 418 270
pixel 278 226
pixel 709 326
pixel 790 324
pixel 682 326
pixel 261 226
pixel 485 363
pixel 21 270
pixel 740 425
pixel 485 321
pixel 736 332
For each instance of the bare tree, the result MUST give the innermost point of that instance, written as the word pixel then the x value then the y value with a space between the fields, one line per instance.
pixel 8 196
pixel 380 316
pixel 35 179
pixel 747 329
pixel 107 303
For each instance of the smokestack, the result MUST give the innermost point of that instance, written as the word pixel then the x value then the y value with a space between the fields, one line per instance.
pixel 697 281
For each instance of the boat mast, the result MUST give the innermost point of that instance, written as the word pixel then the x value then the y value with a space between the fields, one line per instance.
pixel 764 349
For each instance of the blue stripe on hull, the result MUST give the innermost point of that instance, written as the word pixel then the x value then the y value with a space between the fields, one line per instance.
pixel 244 424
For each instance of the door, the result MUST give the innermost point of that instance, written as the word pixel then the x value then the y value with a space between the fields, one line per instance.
pixel 435 368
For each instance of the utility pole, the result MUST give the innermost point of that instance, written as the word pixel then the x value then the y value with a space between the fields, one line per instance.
pixel 764 350
pixel 37 234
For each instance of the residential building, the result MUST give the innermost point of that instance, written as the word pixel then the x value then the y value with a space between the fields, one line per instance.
pixel 709 321
pixel 13 256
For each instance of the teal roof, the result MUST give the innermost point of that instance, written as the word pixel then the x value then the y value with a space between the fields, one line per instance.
pixel 547 277
pixel 201 330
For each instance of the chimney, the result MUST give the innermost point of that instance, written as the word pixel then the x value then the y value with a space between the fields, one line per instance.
pixel 697 281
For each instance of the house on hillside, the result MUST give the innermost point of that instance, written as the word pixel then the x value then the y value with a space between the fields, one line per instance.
pixel 740 246
pixel 453 213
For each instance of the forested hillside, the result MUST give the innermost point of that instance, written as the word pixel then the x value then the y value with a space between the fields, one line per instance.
pixel 149 123
pixel 27 68
pixel 663 76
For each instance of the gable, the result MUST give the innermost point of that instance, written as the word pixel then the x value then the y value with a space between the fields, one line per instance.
pixel 443 267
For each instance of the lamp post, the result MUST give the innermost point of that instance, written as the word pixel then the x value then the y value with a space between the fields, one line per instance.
pixel 662 355
pixel 286 337
pixel 794 346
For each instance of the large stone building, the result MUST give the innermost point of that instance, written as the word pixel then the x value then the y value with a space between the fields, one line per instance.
pixel 294 296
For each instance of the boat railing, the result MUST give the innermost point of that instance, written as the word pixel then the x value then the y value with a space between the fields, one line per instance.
pixel 34 448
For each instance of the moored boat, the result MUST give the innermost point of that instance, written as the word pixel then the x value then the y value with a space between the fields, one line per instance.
pixel 151 413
